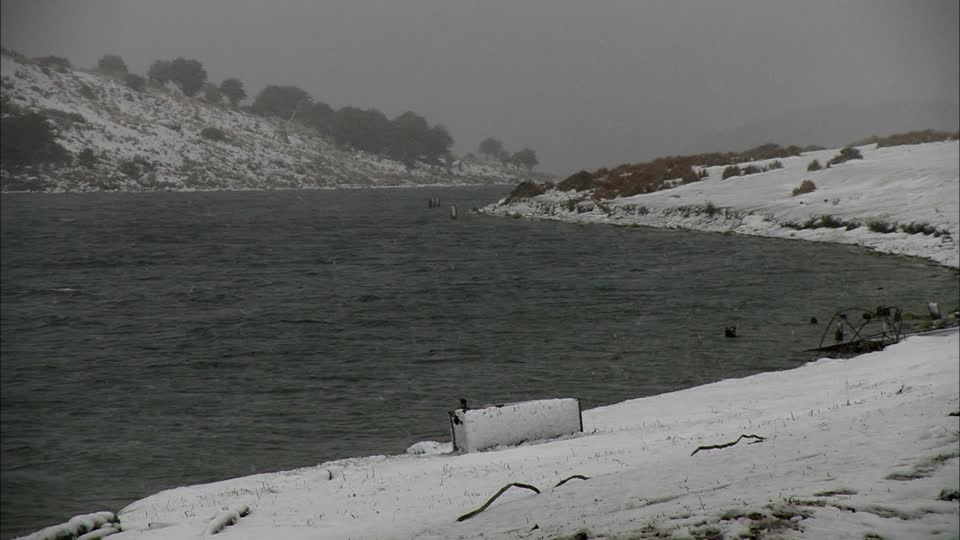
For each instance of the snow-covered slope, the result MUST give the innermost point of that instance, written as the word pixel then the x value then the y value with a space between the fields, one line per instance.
pixel 851 448
pixel 152 140
pixel 900 185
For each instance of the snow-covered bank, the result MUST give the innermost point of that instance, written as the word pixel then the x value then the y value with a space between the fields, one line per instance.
pixel 852 448
pixel 895 185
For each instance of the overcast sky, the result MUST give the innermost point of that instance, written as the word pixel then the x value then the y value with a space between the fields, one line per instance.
pixel 584 83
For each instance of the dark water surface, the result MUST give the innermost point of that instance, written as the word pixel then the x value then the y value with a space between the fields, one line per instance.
pixel 156 340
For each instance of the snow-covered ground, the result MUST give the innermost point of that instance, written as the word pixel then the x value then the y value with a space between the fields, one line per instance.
pixel 851 448
pixel 901 184
pixel 151 140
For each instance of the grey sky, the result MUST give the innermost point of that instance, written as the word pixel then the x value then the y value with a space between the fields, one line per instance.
pixel 585 83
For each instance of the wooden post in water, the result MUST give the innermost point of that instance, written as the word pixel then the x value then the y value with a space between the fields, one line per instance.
pixel 453 211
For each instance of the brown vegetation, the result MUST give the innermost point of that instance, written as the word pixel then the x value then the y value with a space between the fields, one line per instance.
pixel 910 137
pixel 663 172
pixel 846 154
pixel 807 186
pixel 527 189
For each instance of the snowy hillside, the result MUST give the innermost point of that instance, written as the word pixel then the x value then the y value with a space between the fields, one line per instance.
pixel 912 189
pixel 153 140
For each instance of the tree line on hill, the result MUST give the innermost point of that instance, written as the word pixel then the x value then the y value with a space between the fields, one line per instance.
pixel 493 148
pixel 407 138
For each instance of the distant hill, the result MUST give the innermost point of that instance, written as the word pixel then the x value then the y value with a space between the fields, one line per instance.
pixel 119 138
pixel 837 125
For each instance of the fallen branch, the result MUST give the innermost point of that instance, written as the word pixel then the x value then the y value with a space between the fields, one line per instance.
pixel 499 493
pixel 565 480
pixel 729 444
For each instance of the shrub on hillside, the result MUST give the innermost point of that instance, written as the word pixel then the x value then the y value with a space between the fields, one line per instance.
pixel 580 181
pixel 233 89
pixel 212 93
pixel 814 166
pixel 663 172
pixel 731 171
pixel 87 158
pixel 129 168
pixel 64 118
pixel 136 167
pixel 491 147
pixel 846 154
pixel 769 151
pixel 282 101
pixel 918 227
pixel 832 222
pixel 13 54
pixel 188 74
pixel 807 186
pixel 159 71
pixel 112 64
pixel 751 169
pixel 320 117
pixel 135 82
pixel 56 62
pixel 525 190
pixel 915 137
pixel 213 134
pixel 527 158
pixel 880 226
pixel 775 165
pixel 29 140
pixel 87 92
pixel 365 130
pixel 8 107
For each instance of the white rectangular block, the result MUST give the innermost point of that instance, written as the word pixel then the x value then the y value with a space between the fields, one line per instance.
pixel 514 423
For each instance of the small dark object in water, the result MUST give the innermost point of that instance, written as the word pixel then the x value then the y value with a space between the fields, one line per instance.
pixel 813 320
pixel 463 404
pixel 838 335
pixel 730 331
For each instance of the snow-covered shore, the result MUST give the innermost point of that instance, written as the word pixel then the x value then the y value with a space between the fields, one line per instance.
pixel 894 185
pixel 852 448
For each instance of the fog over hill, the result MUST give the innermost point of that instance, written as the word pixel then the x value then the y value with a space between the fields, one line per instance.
pixel 585 84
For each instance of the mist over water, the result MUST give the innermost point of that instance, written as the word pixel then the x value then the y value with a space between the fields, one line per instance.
pixel 155 340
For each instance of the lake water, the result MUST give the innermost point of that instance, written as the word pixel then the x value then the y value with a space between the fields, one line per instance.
pixel 156 340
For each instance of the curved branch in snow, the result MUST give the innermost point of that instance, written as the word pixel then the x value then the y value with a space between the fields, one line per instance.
pixel 567 479
pixel 499 493
pixel 729 444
